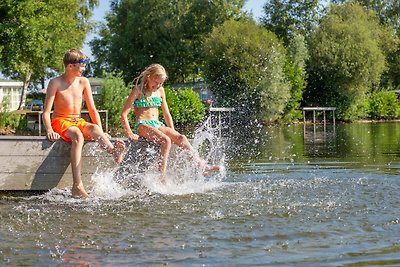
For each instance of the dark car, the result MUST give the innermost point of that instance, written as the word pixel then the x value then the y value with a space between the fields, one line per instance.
pixel 34 105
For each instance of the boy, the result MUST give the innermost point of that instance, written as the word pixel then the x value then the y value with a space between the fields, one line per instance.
pixel 66 92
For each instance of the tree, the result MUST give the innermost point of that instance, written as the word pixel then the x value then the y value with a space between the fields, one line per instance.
pixel 346 59
pixel 139 33
pixel 35 34
pixel 286 17
pixel 295 70
pixel 388 11
pixel 244 65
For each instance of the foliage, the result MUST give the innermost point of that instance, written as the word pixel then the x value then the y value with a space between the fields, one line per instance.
pixel 35 34
pixel 139 33
pixel 346 58
pixel 9 119
pixel 383 105
pixel 244 65
pixel 295 70
pixel 391 47
pixel 113 95
pixel 388 11
pixel 286 17
pixel 185 105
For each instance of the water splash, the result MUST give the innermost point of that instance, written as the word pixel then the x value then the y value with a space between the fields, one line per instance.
pixel 104 186
pixel 138 172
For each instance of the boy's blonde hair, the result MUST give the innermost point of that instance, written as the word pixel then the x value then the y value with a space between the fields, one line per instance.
pixel 73 56
pixel 154 70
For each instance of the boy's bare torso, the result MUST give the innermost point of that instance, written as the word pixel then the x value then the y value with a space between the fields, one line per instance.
pixel 68 97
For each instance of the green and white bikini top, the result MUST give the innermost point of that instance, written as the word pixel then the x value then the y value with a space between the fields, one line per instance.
pixel 153 101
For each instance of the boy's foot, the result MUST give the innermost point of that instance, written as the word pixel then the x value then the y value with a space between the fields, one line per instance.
pixel 79 191
pixel 209 169
pixel 162 179
pixel 119 147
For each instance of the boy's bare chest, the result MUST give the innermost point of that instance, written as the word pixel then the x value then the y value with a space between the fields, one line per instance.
pixel 70 94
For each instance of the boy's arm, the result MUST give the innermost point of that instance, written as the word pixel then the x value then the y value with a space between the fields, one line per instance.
pixel 164 106
pixel 87 92
pixel 48 104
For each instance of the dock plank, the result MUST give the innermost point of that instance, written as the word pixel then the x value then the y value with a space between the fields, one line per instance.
pixel 34 163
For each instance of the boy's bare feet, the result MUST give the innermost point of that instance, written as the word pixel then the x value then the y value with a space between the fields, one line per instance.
pixel 162 179
pixel 119 147
pixel 79 191
pixel 209 169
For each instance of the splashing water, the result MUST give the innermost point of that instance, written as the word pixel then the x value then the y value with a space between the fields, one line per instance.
pixel 139 170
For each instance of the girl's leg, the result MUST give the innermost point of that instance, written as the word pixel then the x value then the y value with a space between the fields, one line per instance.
pixel 182 141
pixel 152 134
pixel 177 138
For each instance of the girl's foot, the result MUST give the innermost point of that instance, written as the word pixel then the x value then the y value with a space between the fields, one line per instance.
pixel 209 169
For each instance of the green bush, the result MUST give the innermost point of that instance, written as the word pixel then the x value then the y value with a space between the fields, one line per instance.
pixel 10 119
pixel 185 105
pixel 244 66
pixel 383 105
pixel 113 96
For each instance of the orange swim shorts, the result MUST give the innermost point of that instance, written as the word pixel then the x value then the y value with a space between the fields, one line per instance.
pixel 60 125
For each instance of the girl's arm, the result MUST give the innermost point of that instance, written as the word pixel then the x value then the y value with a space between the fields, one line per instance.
pixel 164 106
pixel 124 114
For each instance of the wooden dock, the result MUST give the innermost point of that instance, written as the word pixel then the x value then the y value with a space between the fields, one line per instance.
pixel 34 163
pixel 319 109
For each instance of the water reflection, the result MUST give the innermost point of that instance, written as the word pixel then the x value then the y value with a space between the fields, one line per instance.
pixel 359 145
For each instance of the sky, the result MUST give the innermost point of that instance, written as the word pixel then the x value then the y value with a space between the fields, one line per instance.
pixel 253 6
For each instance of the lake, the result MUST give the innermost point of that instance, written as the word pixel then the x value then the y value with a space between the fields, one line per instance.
pixel 287 196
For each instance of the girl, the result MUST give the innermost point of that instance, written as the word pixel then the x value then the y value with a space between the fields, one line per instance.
pixel 146 97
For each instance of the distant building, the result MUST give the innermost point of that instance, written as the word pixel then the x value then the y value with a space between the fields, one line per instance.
pixel 10 91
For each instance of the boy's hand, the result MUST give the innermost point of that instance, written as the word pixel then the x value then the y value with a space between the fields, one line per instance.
pixel 53 136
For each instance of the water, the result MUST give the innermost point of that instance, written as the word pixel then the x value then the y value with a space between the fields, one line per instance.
pixel 286 198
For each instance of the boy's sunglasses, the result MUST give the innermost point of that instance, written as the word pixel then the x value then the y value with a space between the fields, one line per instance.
pixel 81 62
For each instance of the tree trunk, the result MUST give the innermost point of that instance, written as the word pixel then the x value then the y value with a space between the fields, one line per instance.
pixel 27 78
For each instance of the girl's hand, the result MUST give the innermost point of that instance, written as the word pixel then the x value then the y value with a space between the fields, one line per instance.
pixel 133 137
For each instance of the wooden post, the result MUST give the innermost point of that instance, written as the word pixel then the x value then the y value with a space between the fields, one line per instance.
pixel 220 110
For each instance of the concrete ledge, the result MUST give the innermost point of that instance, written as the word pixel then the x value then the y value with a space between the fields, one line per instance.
pixel 34 163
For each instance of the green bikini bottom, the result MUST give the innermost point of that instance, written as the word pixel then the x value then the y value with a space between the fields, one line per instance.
pixel 153 123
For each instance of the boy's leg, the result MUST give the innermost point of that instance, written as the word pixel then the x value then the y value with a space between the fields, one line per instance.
pixel 77 141
pixel 97 134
